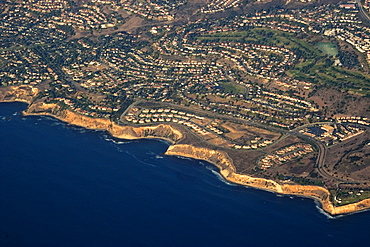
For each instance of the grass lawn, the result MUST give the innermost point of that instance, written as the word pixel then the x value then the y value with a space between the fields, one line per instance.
pixel 328 48
pixel 233 88
pixel 348 199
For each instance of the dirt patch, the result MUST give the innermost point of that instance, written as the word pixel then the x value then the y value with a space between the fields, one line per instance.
pixel 242 133
pixel 351 158
pixel 336 102
pixel 318 101
pixel 283 143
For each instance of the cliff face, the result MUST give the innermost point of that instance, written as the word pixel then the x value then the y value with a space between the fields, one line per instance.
pixel 224 163
pixel 170 133
pixel 218 158
pixel 18 93
pixel 227 170
pixel 162 131
pixel 350 208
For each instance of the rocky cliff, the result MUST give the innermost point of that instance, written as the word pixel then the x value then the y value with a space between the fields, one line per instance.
pixel 162 131
pixel 172 134
pixel 18 93
pixel 227 170
pixel 218 158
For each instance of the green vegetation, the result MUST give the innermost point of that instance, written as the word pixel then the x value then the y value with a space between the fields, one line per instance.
pixel 224 36
pixel 322 73
pixel 306 181
pixel 313 65
pixel 265 36
pixel 300 180
pixel 348 197
pixel 328 48
pixel 233 88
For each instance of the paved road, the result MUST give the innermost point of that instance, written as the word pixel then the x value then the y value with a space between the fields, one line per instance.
pixel 320 161
pixel 309 125
pixel 362 12
pixel 222 116
pixel 322 149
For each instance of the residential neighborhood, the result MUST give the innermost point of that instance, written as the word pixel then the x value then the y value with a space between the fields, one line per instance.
pixel 275 86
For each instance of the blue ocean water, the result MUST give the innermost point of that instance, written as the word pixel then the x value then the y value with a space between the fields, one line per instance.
pixel 67 186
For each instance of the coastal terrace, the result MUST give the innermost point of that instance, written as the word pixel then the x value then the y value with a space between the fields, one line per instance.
pixel 218 132
pixel 285 155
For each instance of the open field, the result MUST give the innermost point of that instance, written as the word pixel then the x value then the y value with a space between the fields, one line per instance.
pixel 350 158
pixel 328 48
pixel 233 88
pixel 322 73
pixel 243 134
pixel 348 197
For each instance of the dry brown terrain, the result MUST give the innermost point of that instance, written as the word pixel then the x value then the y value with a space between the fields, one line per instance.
pixel 334 102
pixel 350 159
pixel 240 133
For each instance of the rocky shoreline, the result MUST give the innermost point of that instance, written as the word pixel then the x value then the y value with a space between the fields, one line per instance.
pixel 224 163
pixel 174 135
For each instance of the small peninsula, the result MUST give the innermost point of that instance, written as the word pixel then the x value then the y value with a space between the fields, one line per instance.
pixel 276 96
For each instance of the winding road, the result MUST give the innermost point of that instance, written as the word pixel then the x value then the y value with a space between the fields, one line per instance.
pixel 322 149
pixel 362 12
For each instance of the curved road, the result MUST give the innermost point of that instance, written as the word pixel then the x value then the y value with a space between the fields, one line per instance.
pixel 322 149
pixel 362 12
pixel 320 161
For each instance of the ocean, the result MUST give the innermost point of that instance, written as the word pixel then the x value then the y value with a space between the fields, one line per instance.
pixel 62 185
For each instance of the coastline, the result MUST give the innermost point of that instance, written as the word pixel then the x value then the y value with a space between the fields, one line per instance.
pixel 317 193
pixel 173 135
pixel 161 131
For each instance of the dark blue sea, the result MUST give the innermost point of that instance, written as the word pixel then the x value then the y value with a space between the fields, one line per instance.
pixel 66 186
